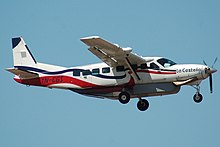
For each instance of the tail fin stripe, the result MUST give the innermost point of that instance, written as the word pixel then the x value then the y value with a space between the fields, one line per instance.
pixel 15 42
pixel 31 54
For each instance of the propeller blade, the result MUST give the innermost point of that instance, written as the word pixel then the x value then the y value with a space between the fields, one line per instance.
pixel 210 82
pixel 214 61
pixel 204 62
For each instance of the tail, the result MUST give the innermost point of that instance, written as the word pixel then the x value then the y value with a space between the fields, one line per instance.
pixel 22 57
pixel 21 53
pixel 25 65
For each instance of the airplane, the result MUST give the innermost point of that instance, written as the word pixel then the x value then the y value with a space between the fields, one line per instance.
pixel 122 76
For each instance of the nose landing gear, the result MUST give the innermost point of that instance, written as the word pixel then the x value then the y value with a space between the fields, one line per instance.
pixel 197 97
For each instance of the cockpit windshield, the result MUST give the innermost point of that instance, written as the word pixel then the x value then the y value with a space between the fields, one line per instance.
pixel 165 62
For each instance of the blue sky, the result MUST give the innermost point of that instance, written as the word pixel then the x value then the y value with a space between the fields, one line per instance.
pixel 185 31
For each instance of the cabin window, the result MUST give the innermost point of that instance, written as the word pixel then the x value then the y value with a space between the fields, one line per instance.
pixel 143 66
pixel 154 66
pixel 134 66
pixel 120 68
pixel 76 72
pixel 106 70
pixel 86 72
pixel 95 71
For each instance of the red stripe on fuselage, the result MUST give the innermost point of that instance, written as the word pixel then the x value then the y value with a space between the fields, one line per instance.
pixel 49 80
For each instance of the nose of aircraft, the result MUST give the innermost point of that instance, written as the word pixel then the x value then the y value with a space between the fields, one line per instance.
pixel 210 70
pixel 213 70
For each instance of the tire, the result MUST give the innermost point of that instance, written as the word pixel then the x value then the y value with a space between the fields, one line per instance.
pixel 143 105
pixel 124 97
pixel 197 98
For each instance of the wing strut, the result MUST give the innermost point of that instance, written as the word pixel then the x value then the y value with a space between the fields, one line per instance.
pixel 137 78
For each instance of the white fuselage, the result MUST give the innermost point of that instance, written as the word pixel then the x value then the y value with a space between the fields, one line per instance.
pixel 101 80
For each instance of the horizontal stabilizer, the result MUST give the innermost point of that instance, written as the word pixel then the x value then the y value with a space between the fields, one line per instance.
pixel 22 73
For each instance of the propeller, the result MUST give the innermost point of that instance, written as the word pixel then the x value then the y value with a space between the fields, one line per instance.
pixel 210 82
pixel 204 62
pixel 214 62
pixel 209 71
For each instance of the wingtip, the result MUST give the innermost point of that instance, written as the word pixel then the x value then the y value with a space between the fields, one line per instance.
pixel 90 37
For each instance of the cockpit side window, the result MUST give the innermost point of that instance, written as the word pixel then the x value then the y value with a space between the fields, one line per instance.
pixel 165 62
pixel 143 66
pixel 154 66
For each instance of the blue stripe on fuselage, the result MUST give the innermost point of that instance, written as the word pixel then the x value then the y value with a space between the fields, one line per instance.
pixel 33 69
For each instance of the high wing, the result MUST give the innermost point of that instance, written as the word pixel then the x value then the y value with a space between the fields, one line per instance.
pixel 22 73
pixel 111 54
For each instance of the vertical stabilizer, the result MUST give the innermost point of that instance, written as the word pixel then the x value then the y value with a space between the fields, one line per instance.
pixel 21 53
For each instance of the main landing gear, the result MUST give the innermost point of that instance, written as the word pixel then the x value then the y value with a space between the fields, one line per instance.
pixel 124 98
pixel 142 104
pixel 197 97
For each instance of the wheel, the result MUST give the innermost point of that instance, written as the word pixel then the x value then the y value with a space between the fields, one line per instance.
pixel 197 98
pixel 124 97
pixel 142 105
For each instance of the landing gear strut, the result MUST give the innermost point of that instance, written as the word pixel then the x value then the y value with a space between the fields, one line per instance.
pixel 197 97
pixel 142 104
